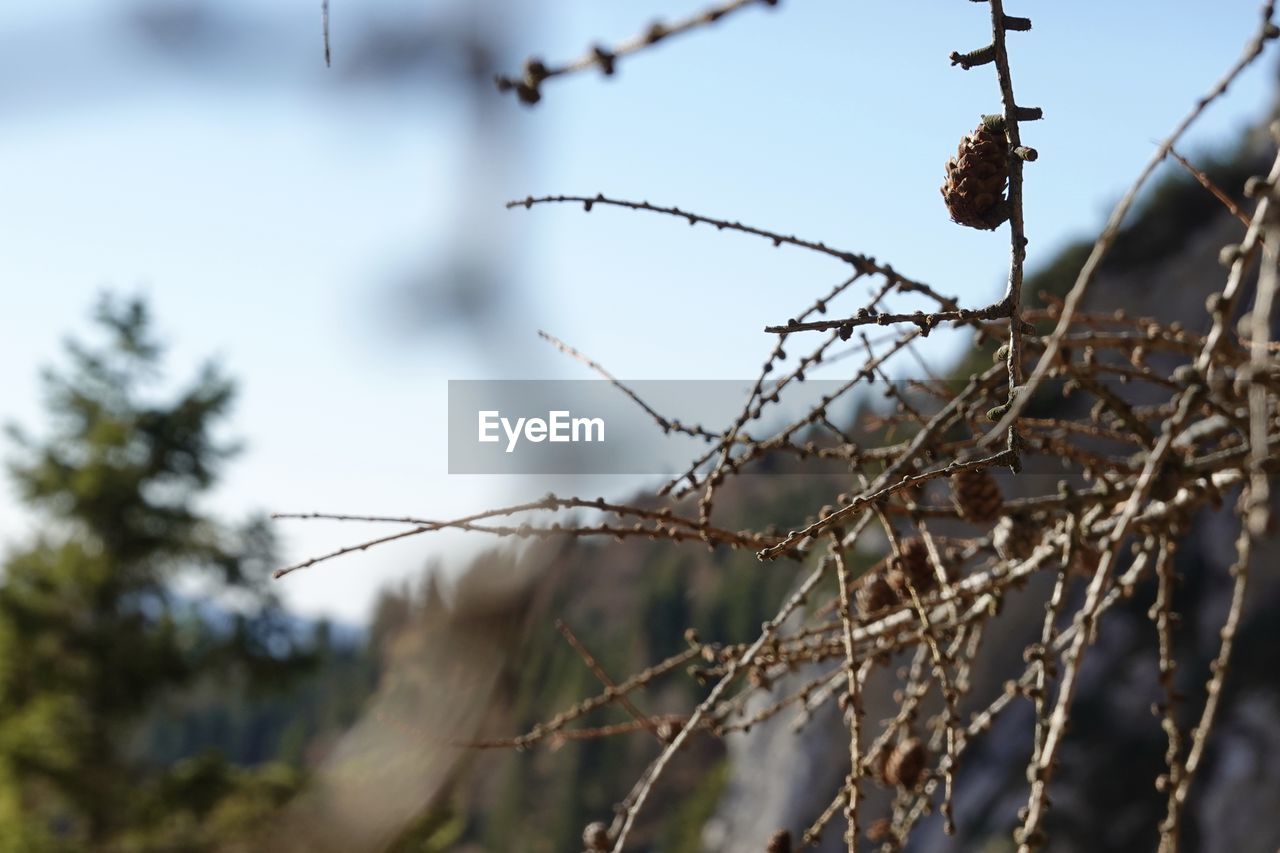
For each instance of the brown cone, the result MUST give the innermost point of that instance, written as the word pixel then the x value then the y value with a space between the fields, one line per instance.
pixel 914 566
pixel 879 830
pixel 977 176
pixel 875 594
pixel 1086 560
pixel 779 842
pixel 1015 537
pixel 976 495
pixel 905 764
pixel 596 837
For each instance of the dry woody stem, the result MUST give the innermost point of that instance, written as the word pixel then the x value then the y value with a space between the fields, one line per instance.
pixel 932 525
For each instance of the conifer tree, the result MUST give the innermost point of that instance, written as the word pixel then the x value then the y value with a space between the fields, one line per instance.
pixel 91 629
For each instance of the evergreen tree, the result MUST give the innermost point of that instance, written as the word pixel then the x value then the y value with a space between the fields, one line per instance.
pixel 91 631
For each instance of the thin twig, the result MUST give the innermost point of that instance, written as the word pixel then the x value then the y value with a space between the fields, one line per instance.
pixel 1205 181
pixel 528 87
pixel 1239 572
pixel 603 677
pixel 861 263
pixel 854 698
pixel 655 770
pixel 1266 31
pixel 324 25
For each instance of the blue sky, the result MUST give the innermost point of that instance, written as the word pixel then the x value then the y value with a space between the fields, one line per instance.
pixel 316 229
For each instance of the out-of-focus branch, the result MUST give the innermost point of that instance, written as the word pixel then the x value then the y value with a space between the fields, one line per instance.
pixel 528 87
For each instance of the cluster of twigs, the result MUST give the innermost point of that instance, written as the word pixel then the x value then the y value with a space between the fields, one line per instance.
pixel 1144 421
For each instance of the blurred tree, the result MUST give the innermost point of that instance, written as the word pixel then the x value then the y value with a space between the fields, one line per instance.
pixel 91 631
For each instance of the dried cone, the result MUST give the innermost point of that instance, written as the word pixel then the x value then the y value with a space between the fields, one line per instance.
pixel 1086 560
pixel 596 837
pixel 977 176
pixel 976 495
pixel 779 842
pixel 1015 537
pixel 875 594
pixel 913 566
pixel 905 764
pixel 879 830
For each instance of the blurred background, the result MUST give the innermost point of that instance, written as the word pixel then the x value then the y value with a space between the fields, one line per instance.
pixel 334 242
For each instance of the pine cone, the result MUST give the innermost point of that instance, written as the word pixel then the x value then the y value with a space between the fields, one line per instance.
pixel 905 764
pixel 1086 560
pixel 875 595
pixel 914 566
pixel 596 837
pixel 779 842
pixel 879 830
pixel 977 175
pixel 1015 537
pixel 976 495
